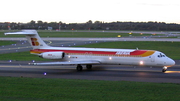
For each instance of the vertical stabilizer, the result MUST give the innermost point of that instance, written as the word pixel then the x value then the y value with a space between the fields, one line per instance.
pixel 32 37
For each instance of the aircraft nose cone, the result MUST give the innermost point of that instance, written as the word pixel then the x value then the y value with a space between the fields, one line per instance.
pixel 171 62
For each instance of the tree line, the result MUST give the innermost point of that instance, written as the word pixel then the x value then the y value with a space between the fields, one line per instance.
pixel 90 25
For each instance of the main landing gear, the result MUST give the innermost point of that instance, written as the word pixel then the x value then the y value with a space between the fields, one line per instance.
pixel 164 69
pixel 79 67
pixel 89 67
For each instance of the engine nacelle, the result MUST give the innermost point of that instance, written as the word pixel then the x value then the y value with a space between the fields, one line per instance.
pixel 53 55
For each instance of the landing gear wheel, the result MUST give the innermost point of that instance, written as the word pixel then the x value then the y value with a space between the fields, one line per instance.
pixel 89 67
pixel 164 69
pixel 79 68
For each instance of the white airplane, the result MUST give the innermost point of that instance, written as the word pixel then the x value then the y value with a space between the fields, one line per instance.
pixel 91 56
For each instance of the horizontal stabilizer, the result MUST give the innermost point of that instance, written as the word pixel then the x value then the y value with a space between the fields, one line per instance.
pixel 67 63
pixel 23 32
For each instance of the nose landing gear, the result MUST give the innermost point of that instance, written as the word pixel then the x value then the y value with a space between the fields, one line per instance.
pixel 164 69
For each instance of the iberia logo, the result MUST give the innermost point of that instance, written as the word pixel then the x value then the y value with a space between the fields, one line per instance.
pixel 34 42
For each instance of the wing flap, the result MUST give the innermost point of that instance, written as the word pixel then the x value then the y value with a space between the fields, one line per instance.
pixel 67 63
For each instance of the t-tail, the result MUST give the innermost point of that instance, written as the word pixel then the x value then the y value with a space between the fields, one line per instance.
pixel 32 37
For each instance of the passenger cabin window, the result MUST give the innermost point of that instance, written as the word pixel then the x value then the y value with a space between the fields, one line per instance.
pixel 161 55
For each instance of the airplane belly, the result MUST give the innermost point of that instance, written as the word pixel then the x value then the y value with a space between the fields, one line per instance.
pixel 111 59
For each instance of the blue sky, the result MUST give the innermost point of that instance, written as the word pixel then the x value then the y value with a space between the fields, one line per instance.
pixel 77 11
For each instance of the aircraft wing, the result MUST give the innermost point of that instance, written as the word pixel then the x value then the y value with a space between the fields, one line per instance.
pixel 68 63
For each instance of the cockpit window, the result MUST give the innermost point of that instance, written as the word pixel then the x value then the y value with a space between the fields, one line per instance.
pixel 161 55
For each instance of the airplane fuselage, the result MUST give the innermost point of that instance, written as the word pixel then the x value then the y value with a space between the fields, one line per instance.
pixel 107 56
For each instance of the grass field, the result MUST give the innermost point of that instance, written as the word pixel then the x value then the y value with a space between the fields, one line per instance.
pixel 41 89
pixel 3 43
pixel 78 34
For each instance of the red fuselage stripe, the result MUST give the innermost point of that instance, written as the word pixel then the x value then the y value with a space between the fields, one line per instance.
pixel 136 52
